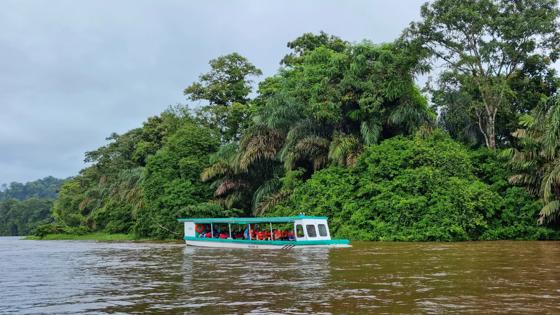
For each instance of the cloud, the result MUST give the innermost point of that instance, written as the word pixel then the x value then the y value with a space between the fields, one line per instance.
pixel 72 72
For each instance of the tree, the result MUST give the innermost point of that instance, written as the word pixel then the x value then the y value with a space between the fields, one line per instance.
pixel 529 85
pixel 421 188
pixel 108 195
pixel 483 43
pixel 226 88
pixel 20 217
pixel 172 180
pixel 318 110
pixel 537 163
pixel 42 188
pixel 309 42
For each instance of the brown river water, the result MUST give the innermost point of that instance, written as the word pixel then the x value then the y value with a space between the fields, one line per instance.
pixel 83 277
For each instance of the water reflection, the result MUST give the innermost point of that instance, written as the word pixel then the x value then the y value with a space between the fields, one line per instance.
pixel 87 277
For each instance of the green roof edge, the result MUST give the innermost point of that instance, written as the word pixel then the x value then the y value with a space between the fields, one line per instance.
pixel 248 220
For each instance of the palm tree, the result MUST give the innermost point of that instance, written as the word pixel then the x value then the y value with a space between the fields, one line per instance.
pixel 538 162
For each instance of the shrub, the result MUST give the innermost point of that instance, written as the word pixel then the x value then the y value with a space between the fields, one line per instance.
pixel 416 189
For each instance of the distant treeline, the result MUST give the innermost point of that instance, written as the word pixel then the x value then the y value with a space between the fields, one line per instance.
pixel 24 206
pixel 343 130
pixel 43 188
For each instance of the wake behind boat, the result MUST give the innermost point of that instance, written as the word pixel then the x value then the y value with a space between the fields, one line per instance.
pixel 263 233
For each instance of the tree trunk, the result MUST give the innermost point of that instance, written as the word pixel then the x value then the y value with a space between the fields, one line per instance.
pixel 491 132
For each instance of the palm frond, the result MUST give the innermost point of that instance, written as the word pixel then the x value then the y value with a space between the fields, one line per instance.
pixel 261 143
pixel 344 150
pixel 370 131
pixel 271 201
pixel 218 169
pixel 549 212
pixel 268 188
pixel 227 186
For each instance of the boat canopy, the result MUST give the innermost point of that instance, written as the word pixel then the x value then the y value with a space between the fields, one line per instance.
pixel 250 220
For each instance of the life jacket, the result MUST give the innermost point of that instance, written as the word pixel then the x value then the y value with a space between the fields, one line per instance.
pixel 208 234
pixel 199 228
pixel 260 235
pixel 277 234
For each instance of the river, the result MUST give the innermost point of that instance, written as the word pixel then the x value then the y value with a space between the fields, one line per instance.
pixel 75 277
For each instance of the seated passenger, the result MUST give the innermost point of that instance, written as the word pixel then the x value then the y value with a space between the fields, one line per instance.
pixel 267 235
pixel 277 235
pixel 208 235
pixel 291 236
pixel 223 235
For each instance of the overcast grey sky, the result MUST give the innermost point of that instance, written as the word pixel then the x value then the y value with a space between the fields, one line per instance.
pixel 72 72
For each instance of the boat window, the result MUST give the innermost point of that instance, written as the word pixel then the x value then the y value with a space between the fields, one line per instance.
pixel 311 232
pixel 323 230
pixel 299 230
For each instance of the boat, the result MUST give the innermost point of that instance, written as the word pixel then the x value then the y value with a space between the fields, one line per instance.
pixel 262 233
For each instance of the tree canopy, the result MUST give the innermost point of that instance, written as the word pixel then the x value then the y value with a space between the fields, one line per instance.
pixel 484 45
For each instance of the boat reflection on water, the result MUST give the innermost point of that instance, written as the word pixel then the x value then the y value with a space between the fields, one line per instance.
pixel 225 280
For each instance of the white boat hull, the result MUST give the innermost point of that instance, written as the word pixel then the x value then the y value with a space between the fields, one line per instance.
pixel 259 246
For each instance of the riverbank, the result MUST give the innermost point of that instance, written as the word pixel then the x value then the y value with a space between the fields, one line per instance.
pixel 99 236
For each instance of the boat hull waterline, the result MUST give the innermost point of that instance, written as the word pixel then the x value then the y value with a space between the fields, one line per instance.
pixel 226 243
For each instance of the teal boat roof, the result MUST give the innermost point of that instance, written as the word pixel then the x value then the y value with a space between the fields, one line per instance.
pixel 250 220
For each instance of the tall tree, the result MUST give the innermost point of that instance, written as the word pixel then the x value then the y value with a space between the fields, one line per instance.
pixel 483 43
pixel 172 179
pixel 308 42
pixel 320 109
pixel 226 88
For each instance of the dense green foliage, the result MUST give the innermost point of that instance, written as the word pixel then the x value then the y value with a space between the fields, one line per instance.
pixel 172 180
pixel 24 206
pixel 138 182
pixel 42 188
pixel 492 49
pixel 342 130
pixel 415 189
pixel 537 162
pixel 22 217
pixel 320 110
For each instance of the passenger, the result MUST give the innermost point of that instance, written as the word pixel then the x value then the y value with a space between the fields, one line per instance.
pixel 277 235
pixel 223 235
pixel 246 233
pixel 208 235
pixel 285 235
pixel 260 235
pixel 291 236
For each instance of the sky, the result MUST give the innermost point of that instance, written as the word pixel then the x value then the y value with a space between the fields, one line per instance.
pixel 72 72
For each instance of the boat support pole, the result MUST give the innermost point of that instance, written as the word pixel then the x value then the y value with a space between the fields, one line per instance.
pixel 249 225
pixel 271 234
pixel 212 230
pixel 229 228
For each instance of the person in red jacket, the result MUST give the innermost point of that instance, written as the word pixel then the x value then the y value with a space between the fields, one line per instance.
pixel 277 235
